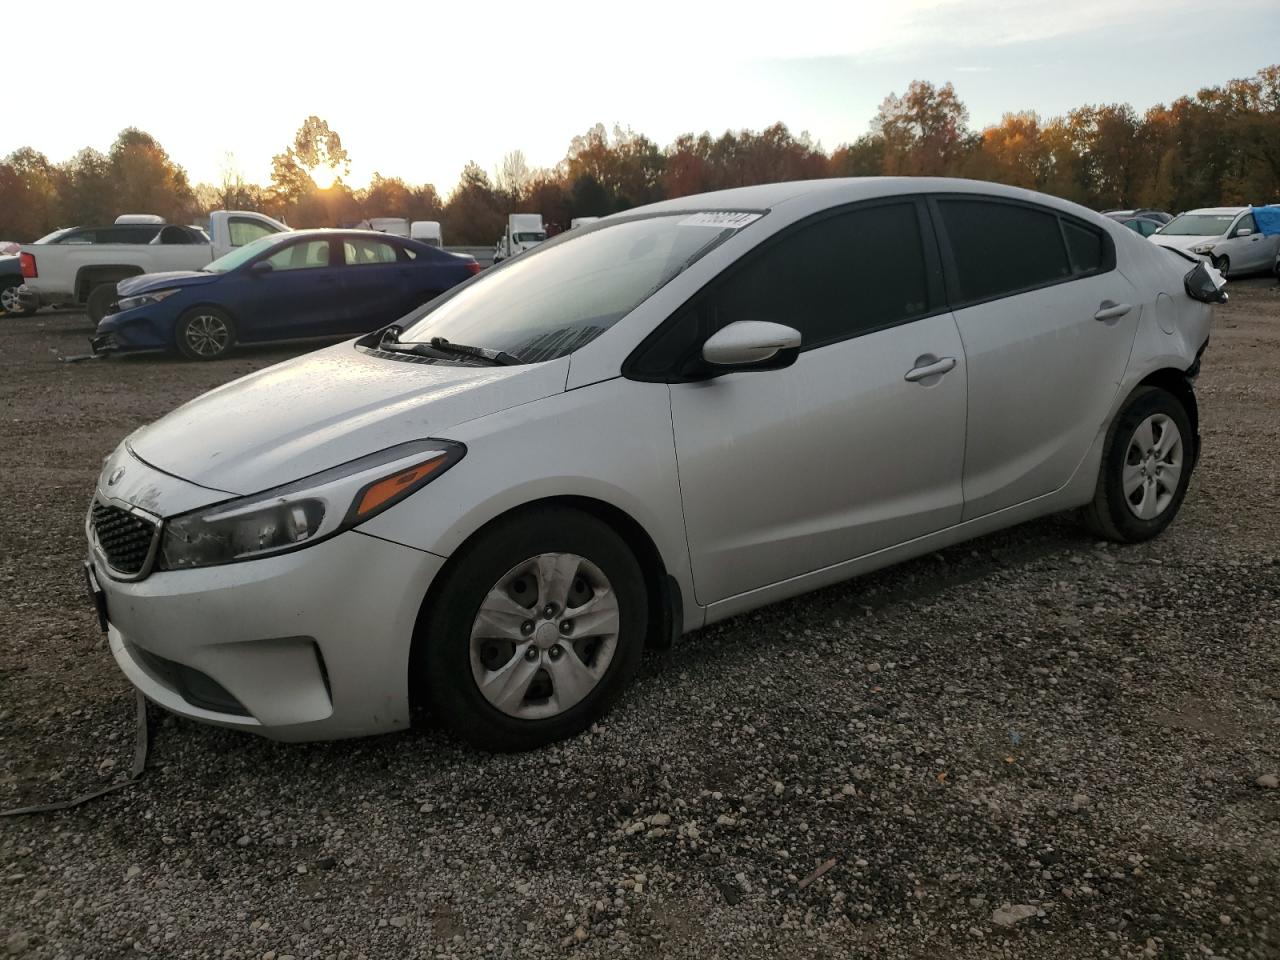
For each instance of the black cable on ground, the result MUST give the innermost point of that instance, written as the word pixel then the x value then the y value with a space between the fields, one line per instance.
pixel 140 747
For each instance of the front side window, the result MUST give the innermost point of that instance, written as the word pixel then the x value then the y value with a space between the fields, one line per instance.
pixel 1246 223
pixel 244 231
pixel 841 276
pixel 1002 248
pixel 360 251
pixel 564 293
pixel 307 255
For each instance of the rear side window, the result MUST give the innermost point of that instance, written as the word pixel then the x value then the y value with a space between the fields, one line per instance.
pixel 1086 247
pixel 847 274
pixel 1003 248
pixel 360 251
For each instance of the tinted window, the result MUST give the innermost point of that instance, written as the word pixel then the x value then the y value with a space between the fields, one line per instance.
pixel 301 256
pixel 360 251
pixel 1246 223
pixel 1001 248
pixel 246 231
pixel 1086 247
pixel 835 278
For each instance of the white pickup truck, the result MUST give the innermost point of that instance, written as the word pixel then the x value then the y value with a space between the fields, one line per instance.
pixel 82 265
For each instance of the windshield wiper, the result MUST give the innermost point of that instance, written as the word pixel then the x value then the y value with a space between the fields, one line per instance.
pixel 440 347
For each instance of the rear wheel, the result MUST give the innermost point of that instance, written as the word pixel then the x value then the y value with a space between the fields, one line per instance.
pixel 204 333
pixel 101 299
pixel 534 630
pixel 1146 466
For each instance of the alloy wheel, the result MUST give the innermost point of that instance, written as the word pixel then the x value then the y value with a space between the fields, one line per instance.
pixel 10 302
pixel 207 335
pixel 544 636
pixel 1152 466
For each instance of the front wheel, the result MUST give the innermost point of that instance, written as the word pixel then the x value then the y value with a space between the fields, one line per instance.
pixel 1146 466
pixel 204 333
pixel 533 631
pixel 1223 265
pixel 101 299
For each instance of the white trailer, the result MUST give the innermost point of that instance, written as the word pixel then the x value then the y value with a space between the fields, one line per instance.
pixel 524 231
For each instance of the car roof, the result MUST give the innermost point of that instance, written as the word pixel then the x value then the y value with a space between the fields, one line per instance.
pixel 847 190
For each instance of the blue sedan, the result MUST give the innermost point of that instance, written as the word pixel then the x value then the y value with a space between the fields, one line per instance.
pixel 306 283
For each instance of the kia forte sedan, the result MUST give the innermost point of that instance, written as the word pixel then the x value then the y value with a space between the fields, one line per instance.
pixel 489 508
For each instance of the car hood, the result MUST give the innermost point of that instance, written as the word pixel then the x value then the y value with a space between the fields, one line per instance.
pixel 305 415
pixel 147 282
pixel 1181 242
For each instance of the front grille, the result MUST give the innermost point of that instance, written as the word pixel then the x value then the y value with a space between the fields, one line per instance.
pixel 124 538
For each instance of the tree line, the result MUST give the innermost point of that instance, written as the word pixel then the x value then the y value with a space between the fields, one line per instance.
pixel 1218 146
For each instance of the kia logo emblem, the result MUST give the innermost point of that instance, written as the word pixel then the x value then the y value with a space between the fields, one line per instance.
pixel 116 474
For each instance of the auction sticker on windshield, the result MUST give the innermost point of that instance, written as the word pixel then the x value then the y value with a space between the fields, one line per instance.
pixel 725 220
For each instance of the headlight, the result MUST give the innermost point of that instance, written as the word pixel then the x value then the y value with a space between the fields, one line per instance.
pixel 1203 248
pixel 142 300
pixel 304 512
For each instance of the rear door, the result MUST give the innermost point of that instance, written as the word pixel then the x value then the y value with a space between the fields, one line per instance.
pixel 854 448
pixel 375 283
pixel 299 297
pixel 1047 323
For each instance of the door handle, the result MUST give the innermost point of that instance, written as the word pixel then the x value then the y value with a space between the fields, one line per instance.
pixel 933 368
pixel 1111 311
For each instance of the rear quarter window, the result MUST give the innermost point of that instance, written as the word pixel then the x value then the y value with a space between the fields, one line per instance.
pixel 1086 246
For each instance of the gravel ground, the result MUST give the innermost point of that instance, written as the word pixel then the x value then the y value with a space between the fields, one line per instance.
pixel 1033 745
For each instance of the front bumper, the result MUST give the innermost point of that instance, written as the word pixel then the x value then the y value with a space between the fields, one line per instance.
pixel 137 329
pixel 309 645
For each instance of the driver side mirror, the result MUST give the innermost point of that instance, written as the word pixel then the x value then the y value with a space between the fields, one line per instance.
pixel 261 267
pixel 1243 232
pixel 752 345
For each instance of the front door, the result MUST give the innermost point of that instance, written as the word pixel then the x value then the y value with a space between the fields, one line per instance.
pixel 299 297
pixel 854 448
pixel 1047 323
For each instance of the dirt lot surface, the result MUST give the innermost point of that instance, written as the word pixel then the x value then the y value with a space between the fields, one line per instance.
pixel 1031 746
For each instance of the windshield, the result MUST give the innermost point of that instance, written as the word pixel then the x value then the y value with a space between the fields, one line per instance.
pixel 529 237
pixel 229 261
pixel 1198 225
pixel 551 301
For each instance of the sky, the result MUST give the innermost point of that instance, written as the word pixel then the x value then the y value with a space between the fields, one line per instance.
pixel 417 89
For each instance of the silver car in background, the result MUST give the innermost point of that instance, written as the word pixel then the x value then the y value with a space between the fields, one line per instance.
pixel 1228 236
pixel 643 426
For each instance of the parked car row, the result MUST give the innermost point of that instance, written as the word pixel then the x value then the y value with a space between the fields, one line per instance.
pixel 301 283
pixel 82 265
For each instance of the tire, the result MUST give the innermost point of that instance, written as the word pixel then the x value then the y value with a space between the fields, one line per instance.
pixel 101 299
pixel 1143 511
pixel 1223 264
pixel 455 649
pixel 204 333
pixel 9 303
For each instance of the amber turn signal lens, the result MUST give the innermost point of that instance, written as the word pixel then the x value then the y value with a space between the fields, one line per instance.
pixel 379 493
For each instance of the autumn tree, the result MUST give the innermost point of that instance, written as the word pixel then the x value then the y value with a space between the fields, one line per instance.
pixel 924 131
pixel 474 214
pixel 145 180
pixel 29 195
